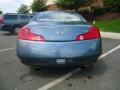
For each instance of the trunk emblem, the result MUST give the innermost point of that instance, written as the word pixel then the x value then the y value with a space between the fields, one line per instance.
pixel 60 32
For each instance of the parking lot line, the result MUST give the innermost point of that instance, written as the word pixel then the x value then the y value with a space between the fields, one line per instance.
pixel 3 50
pixel 57 81
pixel 109 52
pixel 2 37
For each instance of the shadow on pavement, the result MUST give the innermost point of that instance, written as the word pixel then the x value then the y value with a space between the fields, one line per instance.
pixel 9 34
pixel 98 69
pixel 51 72
pixel 56 72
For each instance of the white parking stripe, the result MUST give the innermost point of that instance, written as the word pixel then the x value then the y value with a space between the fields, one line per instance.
pixel 109 52
pixel 3 50
pixel 55 82
pixel 2 37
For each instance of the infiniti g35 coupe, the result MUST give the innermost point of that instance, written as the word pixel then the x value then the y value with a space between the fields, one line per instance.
pixel 54 38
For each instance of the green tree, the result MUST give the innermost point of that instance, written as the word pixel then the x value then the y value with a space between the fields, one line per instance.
pixel 23 9
pixel 0 12
pixel 73 4
pixel 113 5
pixel 38 5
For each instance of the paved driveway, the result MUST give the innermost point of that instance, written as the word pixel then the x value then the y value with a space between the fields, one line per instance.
pixel 105 75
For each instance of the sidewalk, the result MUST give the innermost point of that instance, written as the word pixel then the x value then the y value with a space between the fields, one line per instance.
pixel 110 35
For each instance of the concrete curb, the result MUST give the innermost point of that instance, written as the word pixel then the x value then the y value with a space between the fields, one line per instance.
pixel 110 35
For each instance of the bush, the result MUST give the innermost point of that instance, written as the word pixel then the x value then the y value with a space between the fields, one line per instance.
pixel 86 14
pixel 109 6
pixel 99 11
pixel 73 4
pixel 112 5
pixel 38 5
pixel 1 12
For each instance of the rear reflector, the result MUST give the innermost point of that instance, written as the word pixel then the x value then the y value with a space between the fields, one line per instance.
pixel 2 20
pixel 25 34
pixel 93 33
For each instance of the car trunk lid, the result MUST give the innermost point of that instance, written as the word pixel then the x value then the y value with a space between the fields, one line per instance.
pixel 59 33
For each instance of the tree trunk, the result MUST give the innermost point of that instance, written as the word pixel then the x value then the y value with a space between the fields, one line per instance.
pixel 100 3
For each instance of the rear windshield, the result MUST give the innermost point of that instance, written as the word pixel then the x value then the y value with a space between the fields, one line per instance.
pixel 60 17
pixel 11 17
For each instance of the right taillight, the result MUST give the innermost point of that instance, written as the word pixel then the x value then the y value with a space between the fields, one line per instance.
pixel 2 20
pixel 93 33
pixel 26 34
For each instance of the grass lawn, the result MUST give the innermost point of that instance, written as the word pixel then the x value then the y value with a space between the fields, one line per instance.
pixel 109 26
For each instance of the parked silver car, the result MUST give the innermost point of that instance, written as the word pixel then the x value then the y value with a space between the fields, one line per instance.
pixel 12 22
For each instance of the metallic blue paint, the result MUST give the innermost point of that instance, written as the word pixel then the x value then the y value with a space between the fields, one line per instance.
pixel 60 44
pixel 58 49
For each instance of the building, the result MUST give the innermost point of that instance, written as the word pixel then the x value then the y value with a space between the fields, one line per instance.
pixel 51 4
pixel 98 3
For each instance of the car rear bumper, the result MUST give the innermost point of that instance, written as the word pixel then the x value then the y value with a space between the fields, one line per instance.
pixel 53 61
pixel 7 27
pixel 46 53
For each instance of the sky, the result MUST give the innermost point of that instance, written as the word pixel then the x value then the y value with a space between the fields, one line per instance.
pixel 11 6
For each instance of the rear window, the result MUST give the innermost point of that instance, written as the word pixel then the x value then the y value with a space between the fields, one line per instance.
pixel 24 17
pixel 11 17
pixel 60 17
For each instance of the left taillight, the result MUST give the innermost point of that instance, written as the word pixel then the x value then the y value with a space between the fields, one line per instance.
pixel 26 34
pixel 93 33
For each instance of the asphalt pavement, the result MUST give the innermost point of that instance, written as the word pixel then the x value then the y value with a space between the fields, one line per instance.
pixel 104 75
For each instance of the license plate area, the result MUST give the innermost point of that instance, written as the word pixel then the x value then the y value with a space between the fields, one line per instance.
pixel 60 61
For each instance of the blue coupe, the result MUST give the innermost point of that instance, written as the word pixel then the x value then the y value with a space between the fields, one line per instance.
pixel 56 38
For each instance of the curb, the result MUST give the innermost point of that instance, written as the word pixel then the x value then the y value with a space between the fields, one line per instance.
pixel 110 35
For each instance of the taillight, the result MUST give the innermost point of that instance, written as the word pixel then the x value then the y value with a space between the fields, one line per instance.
pixel 2 20
pixel 25 34
pixel 93 33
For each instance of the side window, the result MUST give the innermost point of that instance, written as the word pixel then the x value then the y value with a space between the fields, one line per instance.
pixel 11 17
pixel 24 17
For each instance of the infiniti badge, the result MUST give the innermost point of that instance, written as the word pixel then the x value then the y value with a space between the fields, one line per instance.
pixel 60 32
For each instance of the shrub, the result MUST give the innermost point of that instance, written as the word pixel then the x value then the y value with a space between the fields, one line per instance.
pixel 112 5
pixel 38 5
pixel 87 14
pixel 99 11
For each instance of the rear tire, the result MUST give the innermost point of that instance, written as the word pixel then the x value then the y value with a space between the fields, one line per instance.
pixel 16 29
